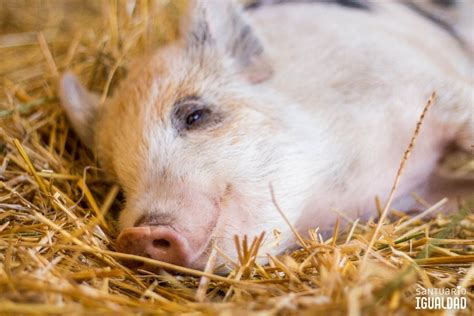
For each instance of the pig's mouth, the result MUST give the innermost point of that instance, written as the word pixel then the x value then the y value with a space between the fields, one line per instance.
pixel 200 259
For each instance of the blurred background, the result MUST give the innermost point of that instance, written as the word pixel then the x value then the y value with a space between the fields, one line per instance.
pixel 90 37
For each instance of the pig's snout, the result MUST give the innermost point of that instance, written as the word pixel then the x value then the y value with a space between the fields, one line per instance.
pixel 156 242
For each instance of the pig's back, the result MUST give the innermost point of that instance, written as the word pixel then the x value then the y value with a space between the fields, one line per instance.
pixel 367 75
pixel 328 55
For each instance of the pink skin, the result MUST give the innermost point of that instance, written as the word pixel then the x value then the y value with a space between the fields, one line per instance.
pixel 154 237
pixel 158 242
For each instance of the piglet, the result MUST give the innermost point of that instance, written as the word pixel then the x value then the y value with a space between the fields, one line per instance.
pixel 317 100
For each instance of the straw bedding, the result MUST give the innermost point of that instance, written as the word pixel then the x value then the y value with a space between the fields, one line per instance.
pixel 57 208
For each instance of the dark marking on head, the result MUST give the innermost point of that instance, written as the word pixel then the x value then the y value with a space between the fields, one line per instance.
pixel 221 27
pixel 241 42
pixel 354 4
pixel 435 20
pixel 246 46
pixel 200 34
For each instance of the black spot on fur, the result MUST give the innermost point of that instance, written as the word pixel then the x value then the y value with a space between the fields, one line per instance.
pixel 445 3
pixel 235 37
pixel 354 4
pixel 201 35
pixel 435 20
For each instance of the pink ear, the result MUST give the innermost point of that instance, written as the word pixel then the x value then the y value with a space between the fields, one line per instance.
pixel 258 70
pixel 81 107
pixel 222 25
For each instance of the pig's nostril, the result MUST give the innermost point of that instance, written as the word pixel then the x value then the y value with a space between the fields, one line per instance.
pixel 161 243
pixel 156 242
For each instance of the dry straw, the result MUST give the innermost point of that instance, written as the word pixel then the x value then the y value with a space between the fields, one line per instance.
pixel 56 208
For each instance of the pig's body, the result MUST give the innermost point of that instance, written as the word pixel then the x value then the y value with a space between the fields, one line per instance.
pixel 322 109
pixel 360 80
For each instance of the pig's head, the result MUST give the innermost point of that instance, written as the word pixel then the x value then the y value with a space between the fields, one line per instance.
pixel 194 143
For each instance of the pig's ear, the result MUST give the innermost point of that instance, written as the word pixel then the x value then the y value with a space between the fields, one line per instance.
pixel 81 107
pixel 222 24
